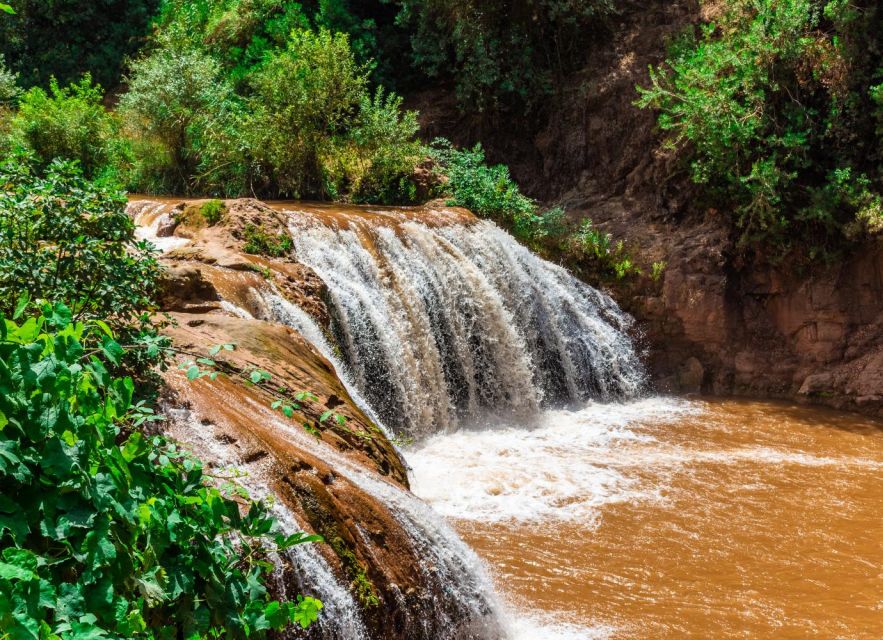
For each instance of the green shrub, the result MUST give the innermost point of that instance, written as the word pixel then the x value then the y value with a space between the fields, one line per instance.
pixel 70 123
pixel 658 270
pixel 177 102
pixel 242 98
pixel 304 97
pixel 489 191
pixel 105 532
pixel 65 238
pixel 485 190
pixel 383 140
pixel 770 104
pixel 68 38
pixel 259 241
pixel 212 211
pixel 608 258
pixel 9 89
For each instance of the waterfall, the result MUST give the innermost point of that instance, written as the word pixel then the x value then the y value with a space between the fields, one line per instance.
pixel 435 325
pixel 446 324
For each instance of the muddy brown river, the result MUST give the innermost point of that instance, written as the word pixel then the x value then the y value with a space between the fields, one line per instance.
pixel 669 518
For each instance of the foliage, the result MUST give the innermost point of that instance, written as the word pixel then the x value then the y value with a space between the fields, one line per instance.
pixel 245 97
pixel 608 257
pixel 105 532
pixel 502 53
pixel 65 238
pixel 68 38
pixel 658 270
pixel 212 211
pixel 489 191
pixel 177 100
pixel 304 98
pixel 69 123
pixel 486 190
pixel 9 89
pixel 774 105
pixel 259 241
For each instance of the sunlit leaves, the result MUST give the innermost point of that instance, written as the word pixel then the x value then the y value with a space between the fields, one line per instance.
pixel 106 533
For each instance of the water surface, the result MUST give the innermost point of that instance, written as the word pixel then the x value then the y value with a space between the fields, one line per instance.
pixel 668 518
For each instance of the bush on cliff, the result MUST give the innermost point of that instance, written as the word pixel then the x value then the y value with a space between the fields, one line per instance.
pixel 777 106
pixel 489 191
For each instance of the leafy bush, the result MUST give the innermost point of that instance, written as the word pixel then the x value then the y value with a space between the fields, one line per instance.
pixel 65 238
pixel 490 192
pixel 177 100
pixel 485 190
pixel 69 123
pixel 259 241
pixel 609 258
pixel 105 532
pixel 502 53
pixel 212 211
pixel 771 103
pixel 243 98
pixel 68 38
pixel 386 151
pixel 9 89
pixel 658 270
pixel 304 97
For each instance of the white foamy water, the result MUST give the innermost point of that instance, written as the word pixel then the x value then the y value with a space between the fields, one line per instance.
pixel 573 463
pixel 559 470
pixel 147 221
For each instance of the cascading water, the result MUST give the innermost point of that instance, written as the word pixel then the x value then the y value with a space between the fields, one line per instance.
pixel 444 324
pixel 436 326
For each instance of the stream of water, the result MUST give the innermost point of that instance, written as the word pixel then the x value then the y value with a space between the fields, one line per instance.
pixel 665 518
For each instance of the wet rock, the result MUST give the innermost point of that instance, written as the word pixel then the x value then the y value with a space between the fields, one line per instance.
pixel 691 376
pixel 165 226
pixel 816 384
pixel 184 288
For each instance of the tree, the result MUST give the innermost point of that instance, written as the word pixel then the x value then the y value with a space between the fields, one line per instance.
pixel 67 38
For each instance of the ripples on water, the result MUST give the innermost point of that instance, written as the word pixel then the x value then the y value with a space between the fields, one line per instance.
pixel 668 518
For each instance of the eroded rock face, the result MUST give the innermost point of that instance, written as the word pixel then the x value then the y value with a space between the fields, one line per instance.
pixel 765 331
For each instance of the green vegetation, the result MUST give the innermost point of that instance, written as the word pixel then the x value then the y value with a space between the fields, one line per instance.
pixel 105 531
pixel 67 38
pixel 502 54
pixel 235 99
pixel 658 270
pixel 259 241
pixel 212 211
pixel 69 123
pixel 490 192
pixel 63 238
pixel 9 88
pixel 777 105
pixel 597 248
